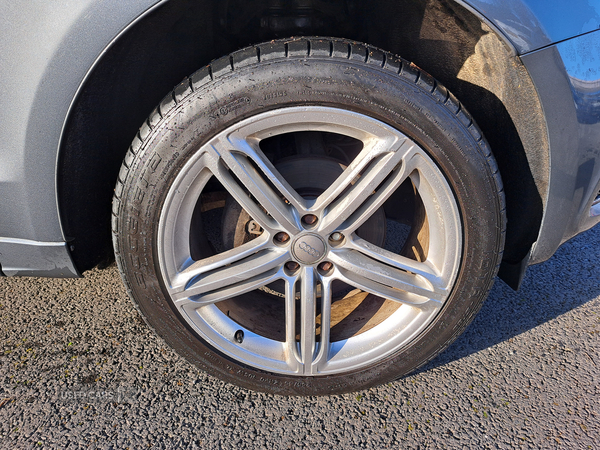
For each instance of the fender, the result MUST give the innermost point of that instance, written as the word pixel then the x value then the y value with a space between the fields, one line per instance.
pixel 530 25
pixel 61 44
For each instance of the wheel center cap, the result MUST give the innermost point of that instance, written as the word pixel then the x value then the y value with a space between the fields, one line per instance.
pixel 309 248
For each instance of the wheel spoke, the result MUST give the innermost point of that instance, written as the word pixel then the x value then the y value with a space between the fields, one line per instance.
pixel 259 177
pixel 376 200
pixel 308 295
pixel 375 148
pixel 293 357
pixel 324 343
pixel 228 274
pixel 355 192
pixel 193 268
pixel 308 356
pixel 395 282
pixel 424 269
pixel 221 172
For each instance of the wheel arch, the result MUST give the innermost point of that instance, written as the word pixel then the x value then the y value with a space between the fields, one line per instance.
pixel 174 39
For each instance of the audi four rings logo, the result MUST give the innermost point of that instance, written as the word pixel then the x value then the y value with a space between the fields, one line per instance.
pixel 308 249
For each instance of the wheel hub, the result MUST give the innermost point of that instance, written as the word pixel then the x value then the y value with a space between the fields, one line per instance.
pixel 309 248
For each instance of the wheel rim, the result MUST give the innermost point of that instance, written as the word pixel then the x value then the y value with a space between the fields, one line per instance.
pixel 308 259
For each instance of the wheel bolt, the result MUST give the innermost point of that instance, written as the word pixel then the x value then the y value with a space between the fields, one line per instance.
pixel 282 237
pixel 336 237
pixel 309 219
pixel 325 266
pixel 292 266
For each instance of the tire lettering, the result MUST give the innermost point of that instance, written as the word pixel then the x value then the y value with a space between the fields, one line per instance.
pixel 276 94
pixel 133 243
pixel 135 260
pixel 139 195
pixel 140 280
pixel 229 107
pixel 133 225
pixel 154 162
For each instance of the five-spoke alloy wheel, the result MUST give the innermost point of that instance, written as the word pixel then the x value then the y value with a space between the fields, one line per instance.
pixel 309 216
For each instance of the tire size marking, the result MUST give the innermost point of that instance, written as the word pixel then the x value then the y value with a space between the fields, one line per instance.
pixel 352 98
pixel 276 94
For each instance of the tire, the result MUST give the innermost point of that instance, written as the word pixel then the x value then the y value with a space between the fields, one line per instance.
pixel 300 183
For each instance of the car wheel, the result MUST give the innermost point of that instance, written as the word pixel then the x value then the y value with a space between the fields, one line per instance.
pixel 309 216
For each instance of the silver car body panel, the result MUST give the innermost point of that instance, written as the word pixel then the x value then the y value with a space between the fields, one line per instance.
pixel 51 258
pixel 47 50
pixel 61 41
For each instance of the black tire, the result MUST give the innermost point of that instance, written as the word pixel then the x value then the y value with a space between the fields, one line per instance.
pixel 307 72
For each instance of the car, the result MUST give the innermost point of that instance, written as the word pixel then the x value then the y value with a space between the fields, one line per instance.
pixel 323 200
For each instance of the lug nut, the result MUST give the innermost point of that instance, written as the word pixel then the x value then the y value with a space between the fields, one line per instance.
pixel 282 237
pixel 336 237
pixel 309 219
pixel 325 266
pixel 292 266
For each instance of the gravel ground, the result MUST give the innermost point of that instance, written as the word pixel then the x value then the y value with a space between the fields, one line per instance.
pixel 79 369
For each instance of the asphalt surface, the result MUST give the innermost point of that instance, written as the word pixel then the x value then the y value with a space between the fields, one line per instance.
pixel 79 369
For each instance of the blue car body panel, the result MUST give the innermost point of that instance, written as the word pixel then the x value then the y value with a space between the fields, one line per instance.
pixel 574 174
pixel 533 24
